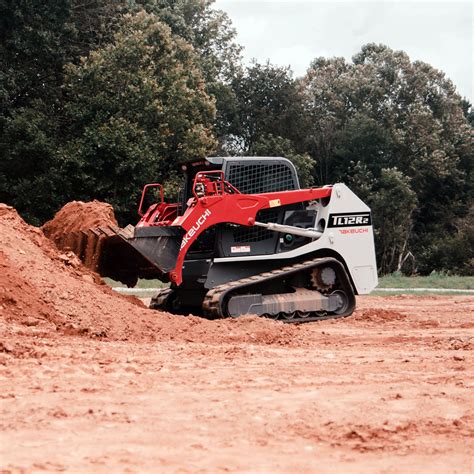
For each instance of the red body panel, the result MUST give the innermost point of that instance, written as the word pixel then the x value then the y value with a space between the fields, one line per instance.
pixel 161 214
pixel 215 202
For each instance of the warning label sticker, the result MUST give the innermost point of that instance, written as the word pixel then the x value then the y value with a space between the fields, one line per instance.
pixel 240 249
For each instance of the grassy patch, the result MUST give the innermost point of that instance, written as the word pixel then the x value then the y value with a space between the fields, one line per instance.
pixel 418 293
pixel 435 280
pixel 141 284
pixel 395 280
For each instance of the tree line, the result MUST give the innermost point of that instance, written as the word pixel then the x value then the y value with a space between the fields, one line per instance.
pixel 98 98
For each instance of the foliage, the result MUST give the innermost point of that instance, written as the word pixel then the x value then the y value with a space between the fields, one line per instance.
pixel 268 145
pixel 45 161
pixel 98 97
pixel 266 102
pixel 31 60
pixel 36 40
pixel 211 33
pixel 31 56
pixel 393 202
pixel 383 111
pixel 454 251
pixel 27 176
pixel 137 106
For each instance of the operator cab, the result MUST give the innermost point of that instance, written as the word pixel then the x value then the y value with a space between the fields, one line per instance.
pixel 249 174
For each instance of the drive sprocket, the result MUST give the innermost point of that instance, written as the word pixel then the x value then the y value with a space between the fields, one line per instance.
pixel 323 279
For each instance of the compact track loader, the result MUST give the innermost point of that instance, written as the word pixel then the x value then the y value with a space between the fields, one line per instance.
pixel 245 239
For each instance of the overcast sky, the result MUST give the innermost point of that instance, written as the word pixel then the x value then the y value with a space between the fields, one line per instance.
pixel 293 32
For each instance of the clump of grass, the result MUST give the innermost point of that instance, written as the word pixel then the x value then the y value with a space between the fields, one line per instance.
pixel 141 283
pixel 434 280
pixel 394 280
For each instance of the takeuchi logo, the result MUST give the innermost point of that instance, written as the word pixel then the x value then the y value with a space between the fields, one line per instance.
pixel 199 223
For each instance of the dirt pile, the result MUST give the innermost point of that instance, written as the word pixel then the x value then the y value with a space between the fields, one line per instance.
pixel 19 298
pixel 82 227
pixel 44 287
pixel 47 290
pixel 79 216
pixel 378 315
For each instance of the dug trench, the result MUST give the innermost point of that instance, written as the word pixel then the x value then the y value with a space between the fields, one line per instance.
pixel 92 381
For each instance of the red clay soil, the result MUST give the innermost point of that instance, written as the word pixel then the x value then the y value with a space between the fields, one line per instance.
pixel 76 216
pixel 61 295
pixel 75 228
pixel 383 395
pixel 91 382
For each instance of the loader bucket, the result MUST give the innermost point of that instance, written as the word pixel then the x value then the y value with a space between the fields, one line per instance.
pixel 158 245
pixel 126 254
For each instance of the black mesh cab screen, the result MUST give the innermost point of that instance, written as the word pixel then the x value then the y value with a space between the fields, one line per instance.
pixel 261 177
pixel 255 177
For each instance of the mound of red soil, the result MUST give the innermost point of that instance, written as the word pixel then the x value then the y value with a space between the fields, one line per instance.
pixel 377 315
pixel 47 290
pixel 82 228
pixel 19 298
pixel 76 216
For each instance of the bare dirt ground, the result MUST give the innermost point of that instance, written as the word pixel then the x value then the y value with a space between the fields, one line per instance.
pixel 91 381
pixel 375 393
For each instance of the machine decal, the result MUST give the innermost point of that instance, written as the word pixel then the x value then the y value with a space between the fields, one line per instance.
pixel 350 219
pixel 360 230
pixel 274 202
pixel 240 249
pixel 195 227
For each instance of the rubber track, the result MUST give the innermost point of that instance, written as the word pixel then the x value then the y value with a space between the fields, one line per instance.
pixel 160 300
pixel 212 301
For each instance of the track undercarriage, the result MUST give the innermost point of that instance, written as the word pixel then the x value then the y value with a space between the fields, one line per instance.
pixel 308 291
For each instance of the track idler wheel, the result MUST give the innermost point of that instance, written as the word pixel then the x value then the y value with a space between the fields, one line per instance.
pixel 342 302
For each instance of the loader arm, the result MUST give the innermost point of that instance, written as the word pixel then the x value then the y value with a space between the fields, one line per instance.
pixel 224 204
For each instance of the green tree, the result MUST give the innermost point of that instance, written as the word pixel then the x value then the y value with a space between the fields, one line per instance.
pixel 453 252
pixel 213 37
pixel 36 40
pixel 266 102
pixel 392 201
pixel 31 60
pixel 269 145
pixel 325 90
pixel 468 111
pixel 31 52
pixel 209 30
pixel 385 111
pixel 362 139
pixel 135 110
pixel 27 179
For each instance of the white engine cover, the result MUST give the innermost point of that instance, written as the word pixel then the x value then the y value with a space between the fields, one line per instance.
pixel 347 230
